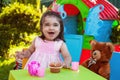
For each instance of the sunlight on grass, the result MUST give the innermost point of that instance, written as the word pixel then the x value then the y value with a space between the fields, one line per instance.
pixel 8 64
pixel 5 67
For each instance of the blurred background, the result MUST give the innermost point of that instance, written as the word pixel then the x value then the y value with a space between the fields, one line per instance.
pixel 19 24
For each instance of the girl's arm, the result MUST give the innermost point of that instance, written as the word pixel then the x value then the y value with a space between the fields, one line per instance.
pixel 66 55
pixel 26 53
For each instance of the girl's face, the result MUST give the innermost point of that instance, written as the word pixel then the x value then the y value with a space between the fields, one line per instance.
pixel 51 27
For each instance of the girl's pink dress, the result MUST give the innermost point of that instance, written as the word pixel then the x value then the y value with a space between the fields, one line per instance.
pixel 45 52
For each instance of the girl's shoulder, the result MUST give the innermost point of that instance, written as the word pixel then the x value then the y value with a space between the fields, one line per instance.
pixel 38 39
pixel 59 42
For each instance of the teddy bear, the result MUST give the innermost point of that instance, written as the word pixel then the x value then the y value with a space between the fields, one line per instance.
pixel 100 55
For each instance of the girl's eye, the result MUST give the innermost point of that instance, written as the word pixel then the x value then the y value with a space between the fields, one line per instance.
pixel 55 25
pixel 46 24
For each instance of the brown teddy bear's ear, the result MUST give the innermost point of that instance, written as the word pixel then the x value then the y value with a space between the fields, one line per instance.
pixel 111 46
pixel 92 42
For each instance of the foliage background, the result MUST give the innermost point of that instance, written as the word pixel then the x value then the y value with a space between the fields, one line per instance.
pixel 115 35
pixel 17 21
pixel 19 24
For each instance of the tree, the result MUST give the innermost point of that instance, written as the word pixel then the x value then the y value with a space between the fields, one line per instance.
pixel 17 20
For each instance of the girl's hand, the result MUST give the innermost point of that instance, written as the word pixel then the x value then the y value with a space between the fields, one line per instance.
pixel 19 55
pixel 23 54
pixel 26 53
pixel 67 66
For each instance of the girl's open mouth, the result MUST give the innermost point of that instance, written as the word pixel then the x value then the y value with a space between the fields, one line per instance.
pixel 51 33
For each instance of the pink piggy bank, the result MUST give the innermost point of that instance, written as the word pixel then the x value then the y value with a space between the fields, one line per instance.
pixel 34 68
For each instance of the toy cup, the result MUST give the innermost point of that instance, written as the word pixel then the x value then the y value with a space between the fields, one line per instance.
pixel 41 72
pixel 75 66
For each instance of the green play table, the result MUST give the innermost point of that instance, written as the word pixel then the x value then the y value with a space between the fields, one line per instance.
pixel 65 74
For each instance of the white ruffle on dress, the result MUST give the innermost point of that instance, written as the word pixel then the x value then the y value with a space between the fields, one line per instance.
pixel 45 52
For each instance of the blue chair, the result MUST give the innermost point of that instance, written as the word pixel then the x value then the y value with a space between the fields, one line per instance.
pixel 74 45
pixel 115 66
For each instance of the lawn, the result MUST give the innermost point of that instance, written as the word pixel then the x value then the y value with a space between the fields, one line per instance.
pixel 5 66
pixel 8 64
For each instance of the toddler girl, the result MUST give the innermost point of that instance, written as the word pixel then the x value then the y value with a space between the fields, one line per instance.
pixel 47 48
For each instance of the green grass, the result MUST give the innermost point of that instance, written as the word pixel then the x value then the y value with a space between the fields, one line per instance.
pixel 5 66
pixel 8 64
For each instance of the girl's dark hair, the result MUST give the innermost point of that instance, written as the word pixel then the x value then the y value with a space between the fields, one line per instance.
pixel 54 14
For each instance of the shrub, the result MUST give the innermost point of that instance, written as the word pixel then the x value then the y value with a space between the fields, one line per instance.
pixel 17 20
pixel 115 36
